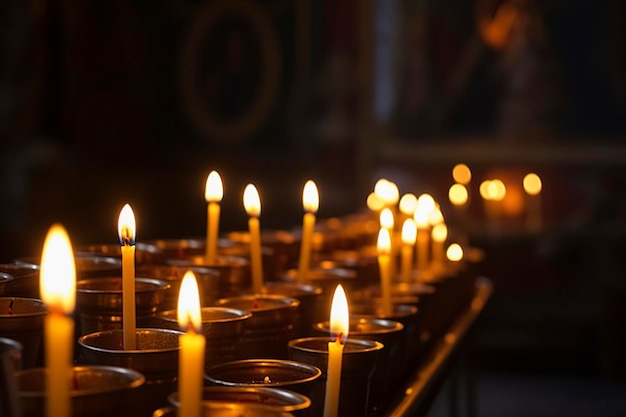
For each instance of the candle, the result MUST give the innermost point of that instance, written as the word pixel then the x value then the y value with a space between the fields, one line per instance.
pixel 454 252
pixel 384 250
pixel 458 195
pixel 387 220
pixel 213 193
pixel 439 234
pixel 532 187
pixel 126 230
pixel 252 204
pixel 374 202
pixel 409 235
pixel 310 202
pixel 408 204
pixel 192 347
pixel 339 325
pixel 493 192
pixel 58 288
pixel 462 174
pixel 425 204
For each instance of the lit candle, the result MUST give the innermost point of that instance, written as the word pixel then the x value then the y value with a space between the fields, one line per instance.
pixel 339 325
pixel 252 204
pixel 458 195
pixel 192 348
pixel 213 193
pixel 409 235
pixel 493 192
pixel 532 186
pixel 462 174
pixel 126 231
pixel 439 234
pixel 387 221
pixel 425 205
pixel 310 202
pixel 374 202
pixel 406 206
pixel 454 252
pixel 58 288
pixel 384 254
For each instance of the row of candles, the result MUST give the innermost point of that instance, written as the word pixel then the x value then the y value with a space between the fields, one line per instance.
pixel 423 225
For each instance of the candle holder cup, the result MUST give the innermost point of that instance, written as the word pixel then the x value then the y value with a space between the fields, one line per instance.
pixel 22 319
pixel 25 282
pixel 156 357
pixel 358 365
pixel 221 327
pixel 392 359
pixel 88 265
pixel 224 409
pixel 145 253
pixel 269 329
pixel 208 282
pixel 98 391
pixel 307 294
pixel 228 247
pixel 10 363
pixel 285 245
pixel 99 302
pixel 280 400
pixel 299 377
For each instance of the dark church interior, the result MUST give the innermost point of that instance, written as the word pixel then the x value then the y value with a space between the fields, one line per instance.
pixel 104 103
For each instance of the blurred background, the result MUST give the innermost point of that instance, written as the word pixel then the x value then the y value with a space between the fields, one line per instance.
pixel 103 103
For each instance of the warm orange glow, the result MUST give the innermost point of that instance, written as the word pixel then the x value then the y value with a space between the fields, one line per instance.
pixel 126 226
pixel 458 194
pixel 439 232
pixel 387 191
pixel 310 197
pixel 532 183
pixel 374 202
pixel 408 204
pixel 409 232
pixel 252 201
pixel 386 219
pixel 214 190
pixel 484 189
pixel 496 31
pixel 426 203
pixel 339 314
pixel 189 312
pixel 461 174
pixel 454 252
pixel 497 190
pixel 435 216
pixel 384 242
pixel 57 281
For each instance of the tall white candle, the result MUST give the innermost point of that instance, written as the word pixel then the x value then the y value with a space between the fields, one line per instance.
pixel 310 202
pixel 339 326
pixel 252 204
pixel 126 230
pixel 213 193
pixel 58 289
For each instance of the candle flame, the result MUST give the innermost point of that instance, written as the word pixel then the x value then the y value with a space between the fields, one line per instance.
pixel 454 252
pixel 126 226
pixel 339 315
pixel 439 232
pixel 408 204
pixel 461 174
pixel 484 189
pixel 386 218
pixel 310 197
pixel 57 282
pixel 374 202
pixel 387 191
pixel 384 242
pixel 214 190
pixel 532 184
pixel 458 194
pixel 252 201
pixel 497 190
pixel 189 311
pixel 435 216
pixel 409 232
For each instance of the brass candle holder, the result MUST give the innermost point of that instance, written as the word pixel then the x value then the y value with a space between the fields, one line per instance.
pixel 10 363
pixel 22 319
pixel 224 409
pixel 25 282
pixel 222 328
pixel 98 391
pixel 360 358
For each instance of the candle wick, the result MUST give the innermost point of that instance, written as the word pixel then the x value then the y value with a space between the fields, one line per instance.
pixel 341 338
pixel 11 306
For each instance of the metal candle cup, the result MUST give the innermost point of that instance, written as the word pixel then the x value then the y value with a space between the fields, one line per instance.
pixel 99 391
pixel 88 265
pixel 221 327
pixel 391 361
pixel 282 242
pixel 10 362
pixel 224 409
pixel 145 253
pixel 280 400
pixel 22 319
pixel 358 365
pixel 25 282
pixel 307 294
pixel 295 376
pixel 208 282
pixel 156 357
pixel 99 302
pixel 270 327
